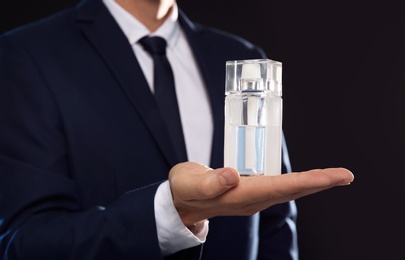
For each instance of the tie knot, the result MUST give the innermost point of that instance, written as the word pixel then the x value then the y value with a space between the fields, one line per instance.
pixel 154 45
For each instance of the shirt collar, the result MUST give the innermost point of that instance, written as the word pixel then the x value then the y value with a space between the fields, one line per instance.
pixel 135 30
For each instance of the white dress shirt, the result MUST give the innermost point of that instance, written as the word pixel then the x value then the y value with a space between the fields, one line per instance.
pixel 195 115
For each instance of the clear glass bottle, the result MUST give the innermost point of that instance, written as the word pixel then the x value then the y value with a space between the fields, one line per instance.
pixel 253 116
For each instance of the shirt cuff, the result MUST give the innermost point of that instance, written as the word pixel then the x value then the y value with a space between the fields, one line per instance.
pixel 173 236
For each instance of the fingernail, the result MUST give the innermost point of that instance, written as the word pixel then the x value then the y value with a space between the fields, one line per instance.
pixel 227 178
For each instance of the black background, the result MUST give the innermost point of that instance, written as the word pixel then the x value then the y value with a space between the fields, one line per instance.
pixel 343 88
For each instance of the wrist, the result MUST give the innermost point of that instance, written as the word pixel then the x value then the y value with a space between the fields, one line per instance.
pixel 196 228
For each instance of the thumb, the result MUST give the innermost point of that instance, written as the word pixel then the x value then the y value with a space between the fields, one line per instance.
pixel 197 182
pixel 227 176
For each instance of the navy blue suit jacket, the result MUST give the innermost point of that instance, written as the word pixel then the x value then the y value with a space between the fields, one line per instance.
pixel 83 147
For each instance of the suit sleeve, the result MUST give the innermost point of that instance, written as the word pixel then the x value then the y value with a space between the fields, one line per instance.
pixel 41 214
pixel 277 232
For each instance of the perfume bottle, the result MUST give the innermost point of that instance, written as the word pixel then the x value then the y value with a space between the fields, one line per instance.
pixel 253 116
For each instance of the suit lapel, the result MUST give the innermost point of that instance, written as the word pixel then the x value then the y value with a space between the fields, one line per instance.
pixel 212 68
pixel 211 53
pixel 99 27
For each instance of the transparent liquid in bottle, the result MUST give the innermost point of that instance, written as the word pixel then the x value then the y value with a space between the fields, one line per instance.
pixel 250 152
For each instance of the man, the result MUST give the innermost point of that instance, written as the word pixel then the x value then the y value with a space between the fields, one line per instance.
pixel 84 150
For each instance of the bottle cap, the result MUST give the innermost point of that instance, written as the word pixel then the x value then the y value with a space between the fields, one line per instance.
pixel 260 75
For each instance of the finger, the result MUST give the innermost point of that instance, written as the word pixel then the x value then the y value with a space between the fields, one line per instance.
pixel 285 187
pixel 313 179
pixel 193 182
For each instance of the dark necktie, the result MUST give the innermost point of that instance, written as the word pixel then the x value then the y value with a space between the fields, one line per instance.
pixel 165 92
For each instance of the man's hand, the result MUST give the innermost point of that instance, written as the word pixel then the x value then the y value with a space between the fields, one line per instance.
pixel 201 193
